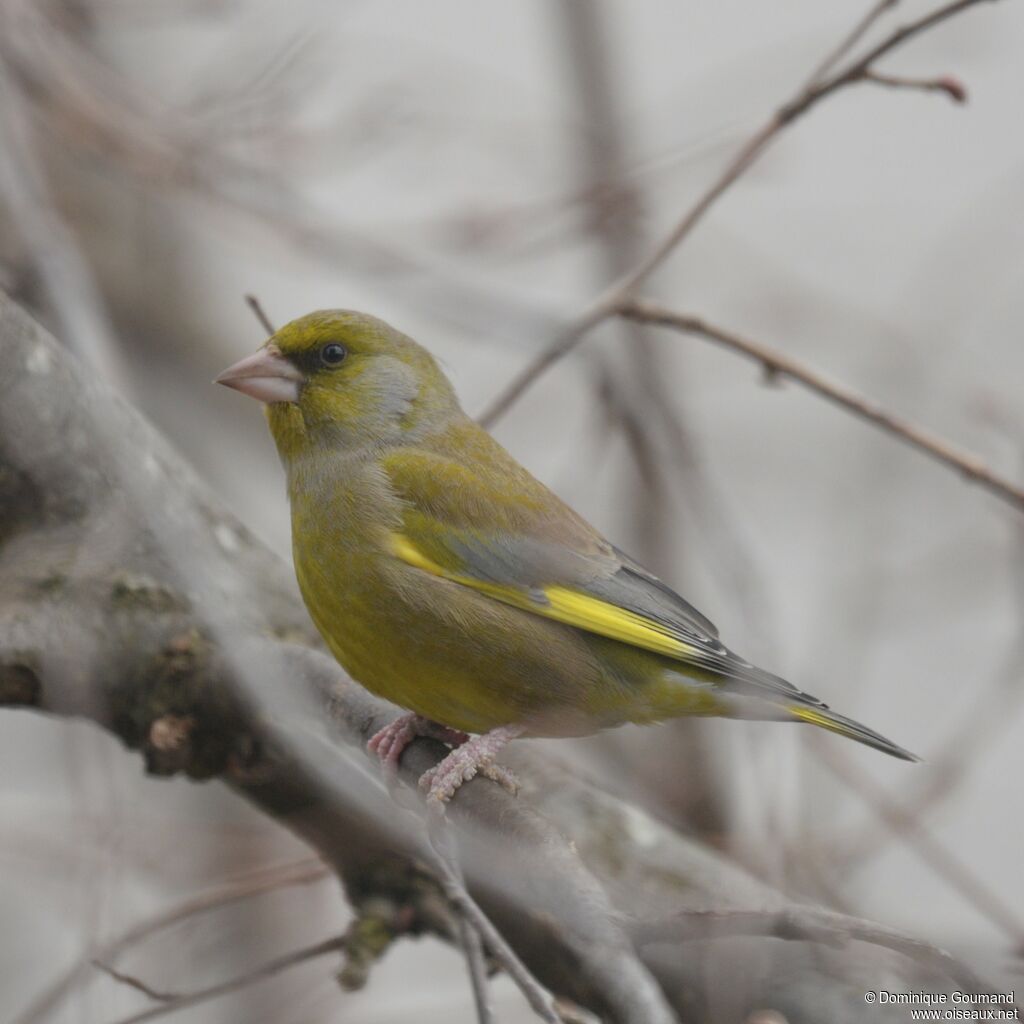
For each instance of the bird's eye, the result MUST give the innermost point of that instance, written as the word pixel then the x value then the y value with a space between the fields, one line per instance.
pixel 332 354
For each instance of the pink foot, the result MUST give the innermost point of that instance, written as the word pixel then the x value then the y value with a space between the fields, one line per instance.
pixel 389 743
pixel 475 756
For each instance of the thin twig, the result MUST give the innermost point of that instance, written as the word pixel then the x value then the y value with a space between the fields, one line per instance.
pixel 855 35
pixel 948 84
pixel 476 964
pixel 995 709
pixel 445 864
pixel 776 364
pixel 469 935
pixel 254 304
pixel 857 70
pixel 620 291
pixel 26 195
pixel 303 872
pixel 138 984
pixel 267 970
pixel 615 206
pixel 987 903
pixel 559 347
pixel 70 85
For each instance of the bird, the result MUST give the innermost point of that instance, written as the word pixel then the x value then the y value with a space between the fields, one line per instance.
pixel 448 580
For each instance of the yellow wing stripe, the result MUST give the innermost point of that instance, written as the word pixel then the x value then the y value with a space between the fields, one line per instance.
pixel 562 604
pixel 591 613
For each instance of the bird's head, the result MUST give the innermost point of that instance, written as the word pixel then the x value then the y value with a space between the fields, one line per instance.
pixel 343 379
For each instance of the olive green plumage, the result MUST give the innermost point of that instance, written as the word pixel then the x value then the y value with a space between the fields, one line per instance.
pixel 445 578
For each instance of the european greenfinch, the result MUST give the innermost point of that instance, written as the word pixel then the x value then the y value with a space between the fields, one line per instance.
pixel 448 580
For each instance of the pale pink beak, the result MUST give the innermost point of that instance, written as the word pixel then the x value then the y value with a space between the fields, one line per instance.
pixel 266 376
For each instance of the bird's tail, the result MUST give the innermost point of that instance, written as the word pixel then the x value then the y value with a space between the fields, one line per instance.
pixel 825 718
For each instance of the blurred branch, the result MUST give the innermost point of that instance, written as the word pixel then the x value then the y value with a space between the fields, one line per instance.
pixel 989 904
pixel 478 924
pixel 96 622
pixel 624 289
pixel 24 191
pixel 476 964
pixel 614 212
pixel 994 709
pixel 136 983
pixel 776 364
pixel 800 923
pixel 172 1002
pixel 302 872
pixel 76 92
pixel 628 376
pixel 474 918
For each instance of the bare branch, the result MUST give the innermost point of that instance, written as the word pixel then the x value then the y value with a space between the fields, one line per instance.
pixel 958 875
pixel 24 191
pixel 801 923
pixel 256 306
pixel 540 1000
pixel 165 148
pixel 996 708
pixel 776 364
pixel 845 45
pixel 476 965
pixel 948 84
pixel 614 215
pixel 136 983
pixel 471 937
pixel 303 872
pixel 622 290
pixel 859 68
pixel 203 995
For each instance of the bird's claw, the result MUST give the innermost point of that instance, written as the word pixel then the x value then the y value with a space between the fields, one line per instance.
pixel 464 763
pixel 390 742
pixel 468 757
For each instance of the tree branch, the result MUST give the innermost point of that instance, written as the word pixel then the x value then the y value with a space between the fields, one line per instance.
pixel 776 364
pixel 802 924
pixel 478 924
pixel 918 837
pixel 621 291
pixel 303 872
pixel 476 965
pixel 171 1003
pixel 157 995
pixel 848 42
pixel 952 87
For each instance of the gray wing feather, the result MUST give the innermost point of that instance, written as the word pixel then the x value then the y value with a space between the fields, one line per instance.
pixel 531 564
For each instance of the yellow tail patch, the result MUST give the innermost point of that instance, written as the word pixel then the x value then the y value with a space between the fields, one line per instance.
pixel 815 717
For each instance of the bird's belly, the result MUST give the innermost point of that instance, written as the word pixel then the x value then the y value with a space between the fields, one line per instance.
pixel 440 659
pixel 446 652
